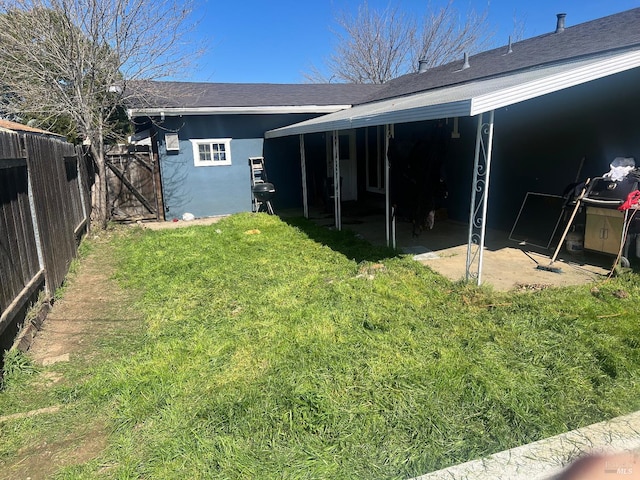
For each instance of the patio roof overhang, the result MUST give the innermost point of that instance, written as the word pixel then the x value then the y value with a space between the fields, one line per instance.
pixel 469 99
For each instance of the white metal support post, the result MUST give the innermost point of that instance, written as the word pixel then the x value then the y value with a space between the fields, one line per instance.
pixel 389 215
pixel 336 180
pixel 303 167
pixel 479 198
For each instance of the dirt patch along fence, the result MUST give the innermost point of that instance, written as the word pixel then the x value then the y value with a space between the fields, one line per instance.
pixel 44 210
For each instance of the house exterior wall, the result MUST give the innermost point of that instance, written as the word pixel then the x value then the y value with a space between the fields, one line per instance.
pixel 539 144
pixel 538 147
pixel 223 189
pixel 282 162
pixel 208 190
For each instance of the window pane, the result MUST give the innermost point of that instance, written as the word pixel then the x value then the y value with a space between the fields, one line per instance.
pixel 219 154
pixel 205 153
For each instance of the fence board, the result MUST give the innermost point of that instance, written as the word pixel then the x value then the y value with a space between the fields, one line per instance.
pixel 23 223
pixel 8 280
pixel 44 184
pixel 18 250
pixel 45 159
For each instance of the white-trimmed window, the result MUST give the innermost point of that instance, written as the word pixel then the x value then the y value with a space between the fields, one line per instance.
pixel 211 152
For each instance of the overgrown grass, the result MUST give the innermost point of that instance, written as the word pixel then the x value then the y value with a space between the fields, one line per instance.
pixel 270 355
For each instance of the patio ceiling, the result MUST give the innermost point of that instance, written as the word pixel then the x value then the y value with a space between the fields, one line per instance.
pixel 469 99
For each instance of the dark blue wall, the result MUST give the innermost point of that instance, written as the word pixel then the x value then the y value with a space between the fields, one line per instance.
pixel 211 190
pixel 538 145
pixel 282 162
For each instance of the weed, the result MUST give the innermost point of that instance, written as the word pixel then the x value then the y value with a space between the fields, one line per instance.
pixel 16 364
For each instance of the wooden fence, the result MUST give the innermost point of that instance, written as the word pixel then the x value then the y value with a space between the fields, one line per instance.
pixel 44 210
pixel 134 187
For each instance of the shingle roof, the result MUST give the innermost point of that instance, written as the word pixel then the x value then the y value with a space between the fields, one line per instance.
pixel 613 33
pixel 201 95
pixel 471 98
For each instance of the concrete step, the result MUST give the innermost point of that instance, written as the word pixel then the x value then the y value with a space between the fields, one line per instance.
pixel 547 458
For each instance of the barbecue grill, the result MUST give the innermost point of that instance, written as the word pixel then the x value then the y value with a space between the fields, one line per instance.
pixel 606 227
pixel 264 193
pixel 609 193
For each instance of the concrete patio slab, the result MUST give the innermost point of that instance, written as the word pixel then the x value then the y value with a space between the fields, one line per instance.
pixel 507 265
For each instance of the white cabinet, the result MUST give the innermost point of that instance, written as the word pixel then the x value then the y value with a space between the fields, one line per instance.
pixel 603 230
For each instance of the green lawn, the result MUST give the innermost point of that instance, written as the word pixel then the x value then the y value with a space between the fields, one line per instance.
pixel 287 351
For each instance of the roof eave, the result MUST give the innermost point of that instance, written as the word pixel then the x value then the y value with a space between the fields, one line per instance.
pixel 266 110
pixel 554 83
pixel 373 118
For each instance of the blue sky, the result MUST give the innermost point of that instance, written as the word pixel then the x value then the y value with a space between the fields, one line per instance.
pixel 276 41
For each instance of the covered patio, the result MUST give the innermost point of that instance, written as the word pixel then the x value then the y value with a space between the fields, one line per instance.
pixel 527 103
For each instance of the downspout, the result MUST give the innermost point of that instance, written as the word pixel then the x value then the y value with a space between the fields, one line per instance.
pixel 303 167
pixel 336 180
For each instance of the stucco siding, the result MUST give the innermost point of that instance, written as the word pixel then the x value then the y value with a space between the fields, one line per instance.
pixel 225 189
pixel 209 190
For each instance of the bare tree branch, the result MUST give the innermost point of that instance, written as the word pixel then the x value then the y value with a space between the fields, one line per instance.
pixel 445 36
pixel 519 27
pixel 376 46
pixel 75 59
pixel 373 47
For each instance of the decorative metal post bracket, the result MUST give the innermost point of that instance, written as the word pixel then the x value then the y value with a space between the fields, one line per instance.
pixel 479 198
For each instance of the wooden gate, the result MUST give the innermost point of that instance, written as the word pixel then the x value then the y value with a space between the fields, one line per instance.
pixel 135 192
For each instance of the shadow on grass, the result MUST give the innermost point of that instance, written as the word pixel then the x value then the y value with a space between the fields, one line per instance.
pixel 346 242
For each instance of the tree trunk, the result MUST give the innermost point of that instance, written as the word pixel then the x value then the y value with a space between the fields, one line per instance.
pixel 101 213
